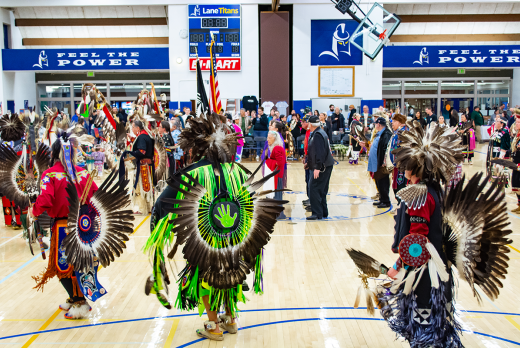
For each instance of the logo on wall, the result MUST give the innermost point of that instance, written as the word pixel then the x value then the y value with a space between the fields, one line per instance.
pixel 196 11
pixel 331 43
pixel 340 42
pixel 423 57
pixel 42 60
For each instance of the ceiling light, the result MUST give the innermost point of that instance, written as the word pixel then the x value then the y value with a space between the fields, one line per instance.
pixel 179 60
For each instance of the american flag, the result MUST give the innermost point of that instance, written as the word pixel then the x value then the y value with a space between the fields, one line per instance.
pixel 214 94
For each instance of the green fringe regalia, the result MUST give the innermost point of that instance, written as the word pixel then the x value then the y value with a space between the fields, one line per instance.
pixel 216 212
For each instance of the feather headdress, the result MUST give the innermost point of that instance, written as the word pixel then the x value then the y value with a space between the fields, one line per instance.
pixel 11 127
pixel 430 154
pixel 209 136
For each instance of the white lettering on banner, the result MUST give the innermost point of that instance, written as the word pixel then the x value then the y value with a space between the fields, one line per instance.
pixel 79 62
pixel 454 51
pixel 110 54
pixel 442 51
pixel 478 59
pixel 95 55
pixel 460 59
pixel 60 55
pixel 496 59
pixel 513 59
pixel 83 55
pixel 476 52
pixel 504 51
pixel 134 54
pixel 95 62
pixel 72 55
pixel 115 62
pixel 132 62
pixel 465 52
pixel 492 51
pixel 444 59
pixel 122 54
pixel 63 62
pixel 516 51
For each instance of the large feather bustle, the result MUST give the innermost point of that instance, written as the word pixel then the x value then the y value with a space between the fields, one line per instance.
pixel 11 127
pixel 116 223
pixel 226 267
pixel 209 137
pixel 9 164
pixel 431 153
pixel 42 159
pixel 475 226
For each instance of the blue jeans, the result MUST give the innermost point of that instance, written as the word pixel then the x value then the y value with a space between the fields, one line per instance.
pixel 260 144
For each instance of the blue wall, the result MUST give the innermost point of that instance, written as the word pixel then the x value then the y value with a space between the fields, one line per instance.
pixel 371 104
pixel 301 104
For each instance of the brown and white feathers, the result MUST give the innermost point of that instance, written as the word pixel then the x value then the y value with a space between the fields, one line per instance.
pixel 110 224
pixel 210 137
pixel 476 233
pixel 430 154
pixel 366 264
pixel 11 127
pixel 160 158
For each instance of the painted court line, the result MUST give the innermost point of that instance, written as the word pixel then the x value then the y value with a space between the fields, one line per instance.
pixel 169 340
pixel 20 268
pixel 42 328
pixel 12 238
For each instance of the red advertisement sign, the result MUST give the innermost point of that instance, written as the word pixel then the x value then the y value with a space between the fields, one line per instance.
pixel 223 64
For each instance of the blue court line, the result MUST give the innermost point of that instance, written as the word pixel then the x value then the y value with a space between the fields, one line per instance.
pixel 20 268
pixel 243 311
pixel 335 218
pixel 339 318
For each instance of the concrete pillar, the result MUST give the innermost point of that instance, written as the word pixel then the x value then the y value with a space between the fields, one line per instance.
pixel 515 93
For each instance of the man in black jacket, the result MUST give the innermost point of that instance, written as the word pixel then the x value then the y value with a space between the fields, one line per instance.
pixel 261 127
pixel 376 159
pixel 337 120
pixel 320 162
pixel 431 116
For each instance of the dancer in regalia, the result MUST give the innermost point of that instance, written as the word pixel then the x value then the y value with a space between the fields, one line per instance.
pixel 499 147
pixel 89 225
pixel 465 228
pixel 515 156
pixel 354 146
pixel 399 180
pixel 215 210
pixel 468 138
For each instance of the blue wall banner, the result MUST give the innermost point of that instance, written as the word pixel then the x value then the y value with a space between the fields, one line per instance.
pixel 451 56
pixel 330 43
pixel 214 10
pixel 87 59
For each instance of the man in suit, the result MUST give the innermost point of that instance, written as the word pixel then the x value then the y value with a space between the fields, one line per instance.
pixel 337 120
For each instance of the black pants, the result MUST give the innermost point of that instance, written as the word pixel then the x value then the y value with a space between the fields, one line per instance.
pixel 383 186
pixel 399 187
pixel 307 178
pixel 67 284
pixel 318 189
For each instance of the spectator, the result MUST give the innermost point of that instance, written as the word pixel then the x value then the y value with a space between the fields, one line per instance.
pixel 420 119
pixel 320 163
pixel 81 122
pixel 316 113
pixel 236 121
pixel 326 125
pixel 124 117
pixel 376 159
pixel 431 117
pixel 295 126
pixel 307 133
pixel 454 118
pixel 277 116
pixel 442 123
pixel 271 116
pixel 352 111
pixel 508 112
pixel 178 115
pixel 477 120
pixel 337 120
pixel 275 160
pixel 165 133
pixel 366 119
pixel 116 114
pixel 331 110
pixel 177 153
pixel 74 118
pixel 510 120
pixel 261 124
pixel 410 111
pixel 493 117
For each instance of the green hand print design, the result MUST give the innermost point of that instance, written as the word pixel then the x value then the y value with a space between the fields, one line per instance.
pixel 225 217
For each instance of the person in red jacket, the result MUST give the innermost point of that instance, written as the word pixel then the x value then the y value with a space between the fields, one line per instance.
pixel 275 160
pixel 53 200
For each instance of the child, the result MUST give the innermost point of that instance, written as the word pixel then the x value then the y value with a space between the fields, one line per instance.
pixel 99 159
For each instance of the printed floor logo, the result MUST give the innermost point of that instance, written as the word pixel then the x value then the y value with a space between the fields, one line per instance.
pixel 423 57
pixel 340 42
pixel 42 60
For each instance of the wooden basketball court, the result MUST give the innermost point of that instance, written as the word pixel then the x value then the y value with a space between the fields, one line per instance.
pixel 310 285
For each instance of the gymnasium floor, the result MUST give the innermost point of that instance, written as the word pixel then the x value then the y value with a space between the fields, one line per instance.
pixel 310 285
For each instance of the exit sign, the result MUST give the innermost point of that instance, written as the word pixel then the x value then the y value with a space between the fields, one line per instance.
pixel 91 73
pixel 461 71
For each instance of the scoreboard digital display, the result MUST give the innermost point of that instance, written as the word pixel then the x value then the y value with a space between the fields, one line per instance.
pixel 220 23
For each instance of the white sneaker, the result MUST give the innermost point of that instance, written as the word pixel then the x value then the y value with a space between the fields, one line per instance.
pixel 257 158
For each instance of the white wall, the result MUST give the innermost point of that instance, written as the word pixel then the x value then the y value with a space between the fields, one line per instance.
pixel 15 85
pixel 369 76
pixel 515 100
pixel 233 85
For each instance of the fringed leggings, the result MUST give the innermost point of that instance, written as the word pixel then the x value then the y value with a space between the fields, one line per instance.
pixel 68 284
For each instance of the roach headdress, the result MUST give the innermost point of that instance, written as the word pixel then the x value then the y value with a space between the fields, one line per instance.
pixel 431 154
pixel 209 136
pixel 11 127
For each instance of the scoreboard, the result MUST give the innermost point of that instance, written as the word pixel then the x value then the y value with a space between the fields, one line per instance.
pixel 222 23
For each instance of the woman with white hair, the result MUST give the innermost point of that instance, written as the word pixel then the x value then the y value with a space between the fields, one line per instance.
pixel 275 160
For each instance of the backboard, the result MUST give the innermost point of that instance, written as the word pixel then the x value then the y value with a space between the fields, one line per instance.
pixel 374 30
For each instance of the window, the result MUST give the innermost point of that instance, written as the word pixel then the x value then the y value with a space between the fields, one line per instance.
pixel 77 89
pixel 7 36
pixel 131 89
pixel 420 87
pixel 58 90
pixel 392 88
pixel 492 87
pixel 160 88
pixel 458 87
